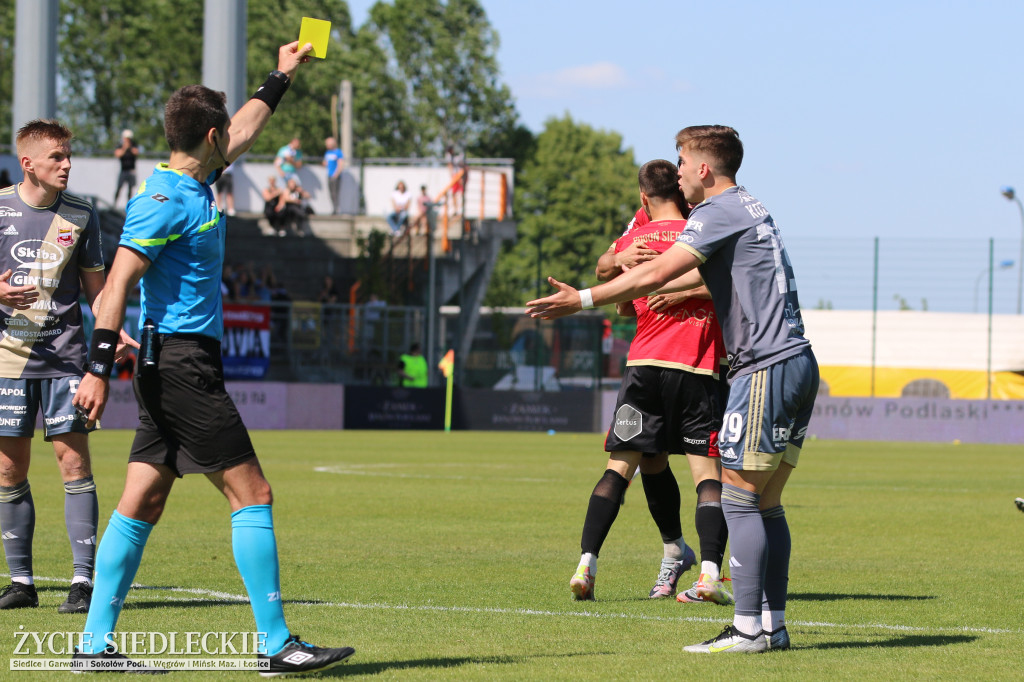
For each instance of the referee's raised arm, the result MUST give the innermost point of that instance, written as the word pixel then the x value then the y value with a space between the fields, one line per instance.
pixel 248 122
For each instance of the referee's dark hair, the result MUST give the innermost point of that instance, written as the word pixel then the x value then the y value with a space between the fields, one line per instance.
pixel 189 115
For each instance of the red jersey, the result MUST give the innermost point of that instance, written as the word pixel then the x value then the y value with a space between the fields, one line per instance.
pixel 685 336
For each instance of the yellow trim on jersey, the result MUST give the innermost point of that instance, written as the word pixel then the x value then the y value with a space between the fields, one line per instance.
pixel 646 362
pixel 96 269
pixel 170 238
pixel 695 252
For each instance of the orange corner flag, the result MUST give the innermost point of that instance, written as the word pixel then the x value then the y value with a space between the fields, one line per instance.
pixel 447 363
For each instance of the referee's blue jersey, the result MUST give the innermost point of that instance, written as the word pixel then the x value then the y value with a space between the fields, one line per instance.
pixel 173 221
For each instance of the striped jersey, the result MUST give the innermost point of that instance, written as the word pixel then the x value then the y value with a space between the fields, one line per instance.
pixel 685 336
pixel 47 247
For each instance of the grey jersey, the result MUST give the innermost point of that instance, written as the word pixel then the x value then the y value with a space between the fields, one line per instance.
pixel 747 271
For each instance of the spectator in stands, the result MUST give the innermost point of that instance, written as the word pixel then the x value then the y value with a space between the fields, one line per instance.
pixel 126 154
pixel 289 159
pixel 334 161
pixel 5 178
pixel 273 207
pixel 457 166
pixel 296 207
pixel 421 225
pixel 372 310
pixel 328 294
pixel 226 189
pixel 400 200
pixel 273 285
pixel 228 285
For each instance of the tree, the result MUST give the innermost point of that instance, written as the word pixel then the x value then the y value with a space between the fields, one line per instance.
pixel 119 63
pixel 446 57
pixel 573 198
pixel 6 69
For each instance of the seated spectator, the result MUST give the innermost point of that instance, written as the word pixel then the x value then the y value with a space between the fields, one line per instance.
pixel 273 207
pixel 295 204
pixel 421 225
pixel 400 200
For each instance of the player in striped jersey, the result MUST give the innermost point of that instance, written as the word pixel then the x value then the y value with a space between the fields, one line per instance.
pixel 49 255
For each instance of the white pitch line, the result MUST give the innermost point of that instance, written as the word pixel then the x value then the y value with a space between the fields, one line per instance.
pixel 345 471
pixel 242 599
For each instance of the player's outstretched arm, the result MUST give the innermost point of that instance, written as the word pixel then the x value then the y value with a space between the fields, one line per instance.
pixel 635 283
pixel 248 123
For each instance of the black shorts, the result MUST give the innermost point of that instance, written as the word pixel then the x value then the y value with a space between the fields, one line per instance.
pixel 187 420
pixel 667 410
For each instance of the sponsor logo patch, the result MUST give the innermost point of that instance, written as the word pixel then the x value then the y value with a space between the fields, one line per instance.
pixel 628 422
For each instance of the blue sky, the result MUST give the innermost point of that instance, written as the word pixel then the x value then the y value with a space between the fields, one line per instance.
pixel 899 120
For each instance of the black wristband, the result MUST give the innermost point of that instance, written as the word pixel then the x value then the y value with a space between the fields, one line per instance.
pixel 273 89
pixel 101 352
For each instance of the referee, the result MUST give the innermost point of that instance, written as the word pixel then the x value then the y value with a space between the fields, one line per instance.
pixel 173 240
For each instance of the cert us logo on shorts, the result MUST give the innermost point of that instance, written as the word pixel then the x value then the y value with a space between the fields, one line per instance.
pixel 37 254
pixel 629 422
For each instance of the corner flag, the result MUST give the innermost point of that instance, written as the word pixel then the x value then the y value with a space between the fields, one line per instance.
pixel 447 367
pixel 447 363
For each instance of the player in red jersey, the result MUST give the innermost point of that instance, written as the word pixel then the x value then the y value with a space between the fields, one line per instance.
pixel 670 402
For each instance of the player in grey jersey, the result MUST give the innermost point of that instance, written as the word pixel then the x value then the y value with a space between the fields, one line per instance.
pixel 49 255
pixel 732 241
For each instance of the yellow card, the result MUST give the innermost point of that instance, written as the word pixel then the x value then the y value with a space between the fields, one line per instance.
pixel 316 31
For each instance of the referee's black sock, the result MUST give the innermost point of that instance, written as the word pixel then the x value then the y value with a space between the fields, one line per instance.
pixel 604 507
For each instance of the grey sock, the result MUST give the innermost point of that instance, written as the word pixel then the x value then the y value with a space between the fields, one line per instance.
pixel 776 577
pixel 18 522
pixel 749 548
pixel 81 515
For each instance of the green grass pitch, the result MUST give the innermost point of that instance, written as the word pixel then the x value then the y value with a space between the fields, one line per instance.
pixel 448 556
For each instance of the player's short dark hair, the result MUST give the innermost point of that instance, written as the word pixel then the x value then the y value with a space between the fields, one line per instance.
pixel 189 115
pixel 721 143
pixel 658 179
pixel 42 130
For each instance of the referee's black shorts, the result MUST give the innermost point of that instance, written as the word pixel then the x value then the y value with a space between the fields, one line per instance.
pixel 187 420
pixel 661 409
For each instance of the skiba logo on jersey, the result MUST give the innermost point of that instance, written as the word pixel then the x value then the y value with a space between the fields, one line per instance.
pixel 37 253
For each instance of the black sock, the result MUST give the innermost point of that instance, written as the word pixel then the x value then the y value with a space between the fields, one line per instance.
pixel 662 494
pixel 604 507
pixel 710 521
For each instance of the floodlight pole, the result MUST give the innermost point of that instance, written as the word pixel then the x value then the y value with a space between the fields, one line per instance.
pixel 1011 195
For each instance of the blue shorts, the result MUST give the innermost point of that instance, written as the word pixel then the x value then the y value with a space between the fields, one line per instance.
pixel 767 413
pixel 20 400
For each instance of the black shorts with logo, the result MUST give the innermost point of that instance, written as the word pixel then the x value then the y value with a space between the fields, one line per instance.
pixel 187 420
pixel 660 409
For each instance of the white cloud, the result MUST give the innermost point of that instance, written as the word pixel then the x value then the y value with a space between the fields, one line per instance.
pixel 596 76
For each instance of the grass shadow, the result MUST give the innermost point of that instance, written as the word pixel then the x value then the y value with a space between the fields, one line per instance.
pixel 900 641
pixel 435 663
pixel 834 596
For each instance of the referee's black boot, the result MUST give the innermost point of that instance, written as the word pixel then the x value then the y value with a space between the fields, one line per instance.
pixel 301 657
